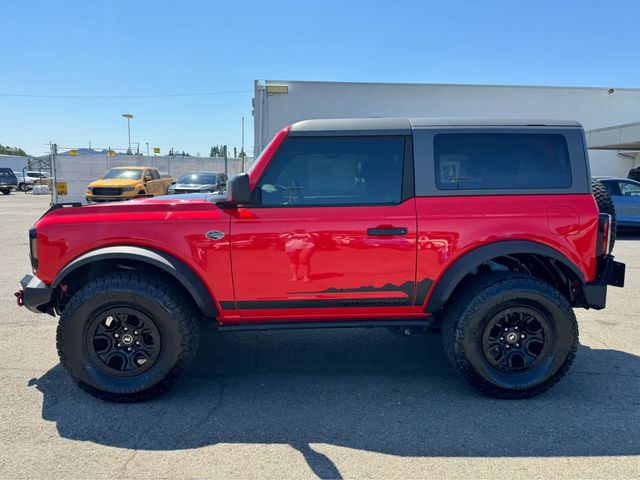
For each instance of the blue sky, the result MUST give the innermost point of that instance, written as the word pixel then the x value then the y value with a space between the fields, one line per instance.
pixel 136 48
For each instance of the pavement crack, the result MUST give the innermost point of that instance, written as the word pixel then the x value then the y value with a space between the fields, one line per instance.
pixel 126 463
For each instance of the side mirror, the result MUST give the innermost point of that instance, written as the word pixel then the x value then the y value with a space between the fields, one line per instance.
pixel 148 178
pixel 238 189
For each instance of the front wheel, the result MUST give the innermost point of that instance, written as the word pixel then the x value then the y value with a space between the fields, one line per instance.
pixel 6 191
pixel 127 336
pixel 510 335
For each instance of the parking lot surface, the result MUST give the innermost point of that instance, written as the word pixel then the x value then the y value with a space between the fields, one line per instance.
pixel 305 404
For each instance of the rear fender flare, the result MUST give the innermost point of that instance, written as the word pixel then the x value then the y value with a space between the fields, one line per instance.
pixel 466 263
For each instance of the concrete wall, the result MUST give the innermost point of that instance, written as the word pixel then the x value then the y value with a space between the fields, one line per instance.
pixel 79 171
pixel 593 107
pixel 14 162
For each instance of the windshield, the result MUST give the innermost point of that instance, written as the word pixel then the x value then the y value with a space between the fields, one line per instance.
pixel 199 178
pixel 5 172
pixel 123 174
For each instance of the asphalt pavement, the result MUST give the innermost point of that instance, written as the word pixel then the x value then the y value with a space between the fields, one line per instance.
pixel 326 403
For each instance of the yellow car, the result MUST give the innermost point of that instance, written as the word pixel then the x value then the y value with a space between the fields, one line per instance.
pixel 126 183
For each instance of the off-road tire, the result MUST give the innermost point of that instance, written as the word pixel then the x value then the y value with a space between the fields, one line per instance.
pixel 605 205
pixel 469 311
pixel 172 311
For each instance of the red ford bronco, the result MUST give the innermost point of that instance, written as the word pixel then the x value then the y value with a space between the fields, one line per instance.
pixel 488 230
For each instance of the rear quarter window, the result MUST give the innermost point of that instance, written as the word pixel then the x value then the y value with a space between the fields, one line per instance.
pixel 501 161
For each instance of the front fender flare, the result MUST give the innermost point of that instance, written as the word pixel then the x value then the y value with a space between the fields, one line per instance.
pixel 467 262
pixel 165 262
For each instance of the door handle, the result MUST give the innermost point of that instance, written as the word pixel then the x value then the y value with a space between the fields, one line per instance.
pixel 386 231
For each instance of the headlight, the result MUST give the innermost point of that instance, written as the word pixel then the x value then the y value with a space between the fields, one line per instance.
pixel 128 189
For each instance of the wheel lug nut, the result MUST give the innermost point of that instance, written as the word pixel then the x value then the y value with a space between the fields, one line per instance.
pixel 119 345
pixel 135 332
pixel 506 329
pixel 137 343
pixel 516 328
pixel 116 335
pixel 517 344
pixel 129 349
pixel 501 338
pixel 522 335
pixel 126 329
pixel 508 346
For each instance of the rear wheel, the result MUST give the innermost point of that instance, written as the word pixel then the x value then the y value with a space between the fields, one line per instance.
pixel 127 336
pixel 23 187
pixel 605 205
pixel 510 335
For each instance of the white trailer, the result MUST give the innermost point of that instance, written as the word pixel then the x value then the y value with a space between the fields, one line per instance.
pixel 278 103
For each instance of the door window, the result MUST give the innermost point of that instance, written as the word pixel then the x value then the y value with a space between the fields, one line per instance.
pixel 630 189
pixel 612 187
pixel 154 174
pixel 335 171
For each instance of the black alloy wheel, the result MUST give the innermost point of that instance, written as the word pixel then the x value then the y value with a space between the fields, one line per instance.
pixel 123 342
pixel 514 339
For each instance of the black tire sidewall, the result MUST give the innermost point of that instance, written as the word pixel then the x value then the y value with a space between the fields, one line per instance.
pixel 561 338
pixel 75 350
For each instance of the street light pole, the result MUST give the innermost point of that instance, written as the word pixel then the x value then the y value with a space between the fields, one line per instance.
pixel 128 116
pixel 242 148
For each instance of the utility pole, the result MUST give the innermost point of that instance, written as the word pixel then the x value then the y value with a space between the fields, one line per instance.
pixel 53 151
pixel 147 148
pixel 128 116
pixel 242 147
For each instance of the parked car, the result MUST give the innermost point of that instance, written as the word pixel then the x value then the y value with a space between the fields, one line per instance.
pixel 24 184
pixel 198 182
pixel 8 181
pixel 485 229
pixel 126 183
pixel 39 177
pixel 625 194
pixel 26 181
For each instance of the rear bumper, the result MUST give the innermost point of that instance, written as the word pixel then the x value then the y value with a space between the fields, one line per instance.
pixel 609 272
pixel 35 295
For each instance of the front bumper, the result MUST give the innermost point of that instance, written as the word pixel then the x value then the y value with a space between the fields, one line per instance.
pixel 110 198
pixel 35 295
pixel 609 272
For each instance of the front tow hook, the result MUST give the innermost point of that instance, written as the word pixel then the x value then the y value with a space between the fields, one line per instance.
pixel 19 301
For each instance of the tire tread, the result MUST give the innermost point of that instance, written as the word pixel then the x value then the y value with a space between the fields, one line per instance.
pixel 470 298
pixel 162 291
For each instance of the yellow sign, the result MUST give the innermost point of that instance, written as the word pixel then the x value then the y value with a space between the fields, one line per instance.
pixel 73 152
pixel 156 150
pixel 61 188
pixel 111 153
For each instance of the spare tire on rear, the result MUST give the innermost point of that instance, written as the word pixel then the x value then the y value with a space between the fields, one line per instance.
pixel 605 205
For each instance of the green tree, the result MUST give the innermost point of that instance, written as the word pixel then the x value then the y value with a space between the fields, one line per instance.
pixel 6 150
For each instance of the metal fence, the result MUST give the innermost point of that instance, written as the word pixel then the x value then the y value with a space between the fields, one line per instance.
pixel 78 171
